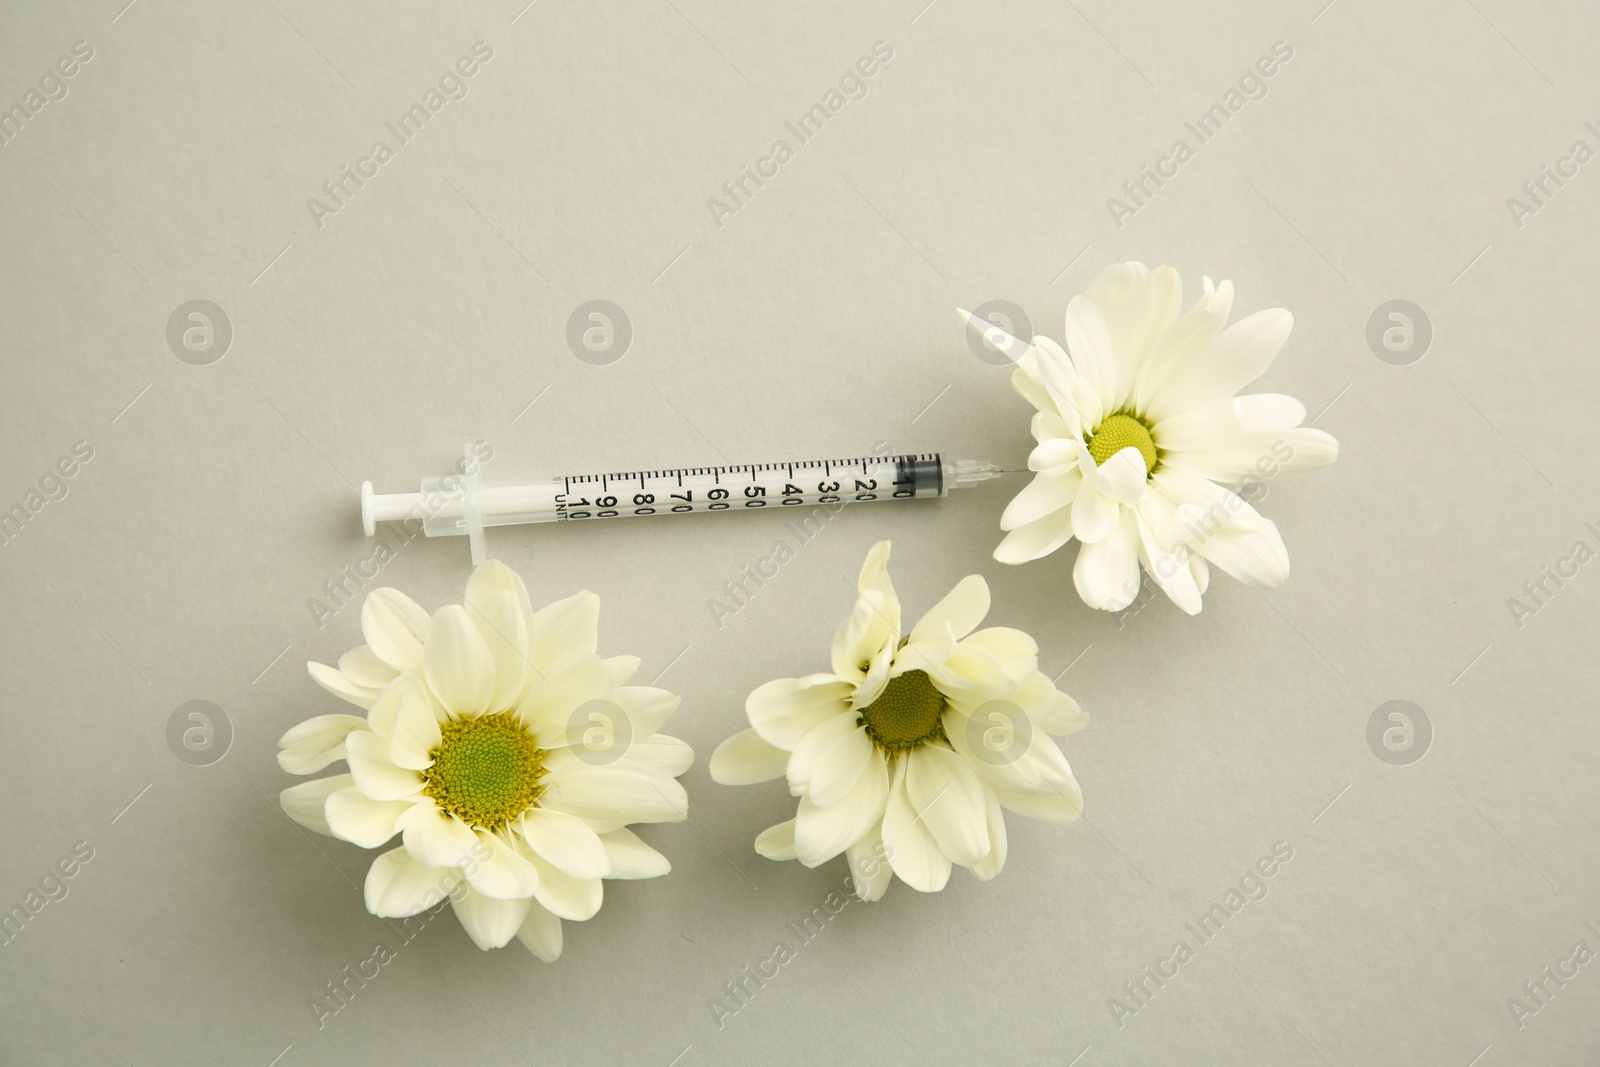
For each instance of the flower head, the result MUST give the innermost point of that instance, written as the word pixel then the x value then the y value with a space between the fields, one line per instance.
pixel 1145 455
pixel 905 752
pixel 507 755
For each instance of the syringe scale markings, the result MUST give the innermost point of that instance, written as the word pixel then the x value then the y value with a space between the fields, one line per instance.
pixel 461 505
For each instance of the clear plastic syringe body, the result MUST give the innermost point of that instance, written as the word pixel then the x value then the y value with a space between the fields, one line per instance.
pixel 461 505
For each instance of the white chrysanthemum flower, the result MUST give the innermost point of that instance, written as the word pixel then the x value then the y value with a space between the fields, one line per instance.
pixel 507 755
pixel 910 747
pixel 1142 442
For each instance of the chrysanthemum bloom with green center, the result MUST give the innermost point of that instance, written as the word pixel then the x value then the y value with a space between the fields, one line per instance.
pixel 507 755
pixel 1145 455
pixel 905 754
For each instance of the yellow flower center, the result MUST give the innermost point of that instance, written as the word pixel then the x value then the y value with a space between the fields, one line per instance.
pixel 907 714
pixel 486 770
pixel 1120 431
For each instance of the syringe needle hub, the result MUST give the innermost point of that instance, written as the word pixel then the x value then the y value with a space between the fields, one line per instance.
pixel 960 473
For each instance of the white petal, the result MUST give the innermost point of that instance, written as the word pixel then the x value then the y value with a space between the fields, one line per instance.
pixel 306 803
pixel 1055 457
pixel 1212 507
pixel 503 626
pixel 777 842
pixel 870 872
pixel 334 681
pixel 1224 466
pixel 862 635
pixel 435 838
pixel 1177 347
pixel 1054 711
pixel 1041 769
pixel 540 934
pixel 822 833
pixel 1256 557
pixel 927 653
pixel 1025 380
pixel 565 841
pixel 405 689
pixel 1016 652
pixel 972 674
pixel 913 852
pixel 990 865
pixel 622 668
pixel 1004 755
pixel 1122 476
pixel 745 759
pixel 1038 538
pixel 829 760
pixel 397 886
pixel 1268 411
pixel 996 336
pixel 565 627
pixel 457 663
pixel 1047 425
pixel 1243 352
pixel 874 578
pixel 1045 495
pixel 1090 409
pixel 363 667
pixel 312 745
pixel 666 754
pixel 395 627
pixel 1209 427
pixel 1138 306
pixel 1094 516
pixel 1091 349
pixel 356 818
pixel 629 857
pixel 1057 806
pixel 494 576
pixel 1107 572
pixel 491 923
pixel 1307 448
pixel 498 870
pixel 648 707
pixel 876 678
pixel 571 898
pixel 960 612
pixel 946 794
pixel 415 731
pixel 785 710
pixel 375 774
pixel 1228 362
pixel 614 795
pixel 1058 376
pixel 1165 558
pixel 563 698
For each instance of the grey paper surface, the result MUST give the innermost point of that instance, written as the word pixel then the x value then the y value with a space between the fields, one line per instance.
pixel 429 305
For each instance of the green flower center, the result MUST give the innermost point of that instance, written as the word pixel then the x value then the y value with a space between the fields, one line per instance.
pixel 907 714
pixel 486 770
pixel 1120 431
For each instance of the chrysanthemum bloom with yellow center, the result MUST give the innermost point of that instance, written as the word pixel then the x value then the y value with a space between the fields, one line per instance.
pixel 910 747
pixel 1144 452
pixel 507 755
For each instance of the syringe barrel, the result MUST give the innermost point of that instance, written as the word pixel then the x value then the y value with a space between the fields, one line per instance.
pixel 752 487
pixel 441 505
pixel 509 505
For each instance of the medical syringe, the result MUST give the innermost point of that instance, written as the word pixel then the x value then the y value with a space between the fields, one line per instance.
pixel 457 505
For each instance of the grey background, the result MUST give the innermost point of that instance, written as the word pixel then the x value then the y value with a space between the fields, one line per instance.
pixel 817 320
